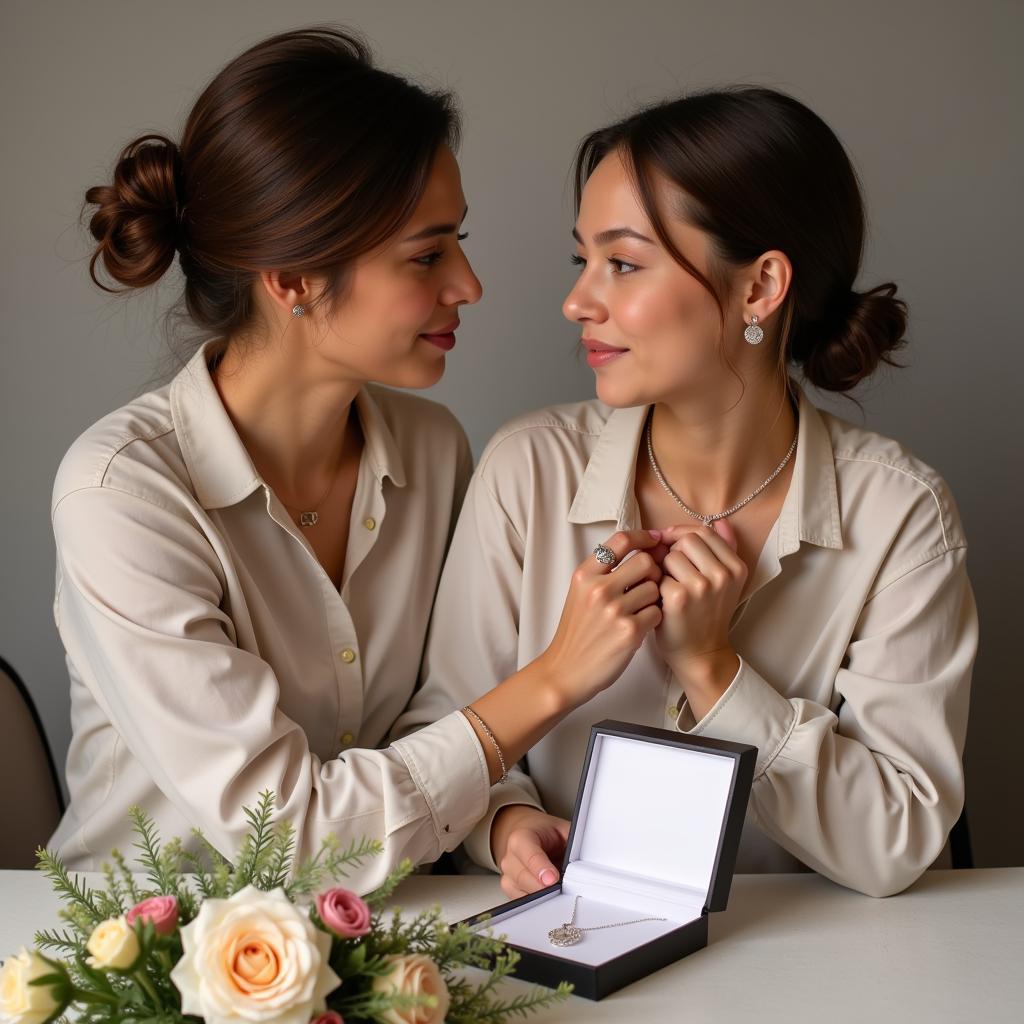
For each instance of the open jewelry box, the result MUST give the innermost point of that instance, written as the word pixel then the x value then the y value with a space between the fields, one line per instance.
pixel 654 835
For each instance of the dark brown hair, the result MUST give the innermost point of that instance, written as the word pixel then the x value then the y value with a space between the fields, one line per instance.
pixel 299 155
pixel 758 170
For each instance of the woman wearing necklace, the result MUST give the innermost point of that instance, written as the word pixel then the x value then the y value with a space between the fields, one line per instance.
pixel 814 601
pixel 247 557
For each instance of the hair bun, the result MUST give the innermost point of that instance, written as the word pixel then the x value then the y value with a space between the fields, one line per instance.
pixel 136 223
pixel 837 354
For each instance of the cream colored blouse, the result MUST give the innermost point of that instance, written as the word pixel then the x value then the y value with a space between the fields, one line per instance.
pixel 211 657
pixel 857 633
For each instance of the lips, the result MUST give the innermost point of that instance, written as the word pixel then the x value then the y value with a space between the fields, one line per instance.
pixel 600 354
pixel 444 338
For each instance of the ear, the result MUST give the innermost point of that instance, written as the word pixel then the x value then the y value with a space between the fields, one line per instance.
pixel 287 290
pixel 768 280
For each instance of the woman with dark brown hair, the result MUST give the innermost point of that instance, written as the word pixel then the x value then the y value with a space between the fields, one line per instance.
pixel 814 600
pixel 247 558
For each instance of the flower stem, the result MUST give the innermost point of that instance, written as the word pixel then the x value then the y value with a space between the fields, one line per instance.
pixel 147 985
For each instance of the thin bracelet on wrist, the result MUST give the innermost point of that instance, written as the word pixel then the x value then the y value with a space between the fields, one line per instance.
pixel 490 735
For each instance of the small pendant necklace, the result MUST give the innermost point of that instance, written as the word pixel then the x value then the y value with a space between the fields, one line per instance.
pixel 570 933
pixel 312 516
pixel 708 520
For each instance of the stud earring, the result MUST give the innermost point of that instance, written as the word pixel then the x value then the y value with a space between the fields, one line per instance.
pixel 298 310
pixel 753 334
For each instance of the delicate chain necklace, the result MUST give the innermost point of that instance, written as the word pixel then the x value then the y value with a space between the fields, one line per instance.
pixel 570 933
pixel 312 517
pixel 708 520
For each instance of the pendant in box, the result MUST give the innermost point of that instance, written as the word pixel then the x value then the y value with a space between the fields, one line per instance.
pixel 565 935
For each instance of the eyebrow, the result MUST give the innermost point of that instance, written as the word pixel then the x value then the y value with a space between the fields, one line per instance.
pixel 436 229
pixel 613 235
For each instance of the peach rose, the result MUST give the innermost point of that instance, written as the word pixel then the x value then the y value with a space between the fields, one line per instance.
pixel 254 957
pixel 414 975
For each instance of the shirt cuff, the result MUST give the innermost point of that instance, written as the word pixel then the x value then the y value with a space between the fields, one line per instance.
pixel 449 767
pixel 478 842
pixel 750 711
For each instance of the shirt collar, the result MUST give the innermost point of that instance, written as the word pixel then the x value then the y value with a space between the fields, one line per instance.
pixel 810 512
pixel 220 467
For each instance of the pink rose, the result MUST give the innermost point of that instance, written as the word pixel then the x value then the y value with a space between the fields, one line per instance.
pixel 330 1017
pixel 162 911
pixel 343 913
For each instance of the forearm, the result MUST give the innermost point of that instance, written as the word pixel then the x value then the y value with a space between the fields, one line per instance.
pixel 518 711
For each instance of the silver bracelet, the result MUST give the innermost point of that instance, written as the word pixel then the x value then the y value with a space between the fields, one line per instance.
pixel 497 747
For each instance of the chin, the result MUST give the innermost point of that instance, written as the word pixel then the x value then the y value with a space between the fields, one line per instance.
pixel 620 394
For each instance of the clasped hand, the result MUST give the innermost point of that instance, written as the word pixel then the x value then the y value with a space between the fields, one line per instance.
pixel 684 584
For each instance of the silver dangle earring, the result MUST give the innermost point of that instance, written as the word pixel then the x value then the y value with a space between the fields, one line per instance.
pixel 753 334
pixel 301 311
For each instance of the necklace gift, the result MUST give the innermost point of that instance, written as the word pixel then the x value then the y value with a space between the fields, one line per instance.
pixel 709 519
pixel 569 933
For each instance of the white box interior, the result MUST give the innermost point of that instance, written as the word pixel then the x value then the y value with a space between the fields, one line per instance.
pixel 646 840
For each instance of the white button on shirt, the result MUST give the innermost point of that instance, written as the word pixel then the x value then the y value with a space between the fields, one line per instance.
pixel 210 655
pixel 857 634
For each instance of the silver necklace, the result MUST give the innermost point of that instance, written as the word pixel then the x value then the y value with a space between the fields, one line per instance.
pixel 708 520
pixel 570 933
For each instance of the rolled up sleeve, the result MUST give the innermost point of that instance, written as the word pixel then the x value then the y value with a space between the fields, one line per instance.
pixel 867 794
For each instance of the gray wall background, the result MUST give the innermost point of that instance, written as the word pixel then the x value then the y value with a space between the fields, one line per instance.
pixel 925 95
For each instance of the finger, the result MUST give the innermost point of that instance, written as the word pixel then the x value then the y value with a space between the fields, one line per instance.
pixel 621 544
pixel 724 530
pixel 640 596
pixel 648 619
pixel 682 570
pixel 697 549
pixel 633 571
pixel 525 844
pixel 670 535
pixel 510 889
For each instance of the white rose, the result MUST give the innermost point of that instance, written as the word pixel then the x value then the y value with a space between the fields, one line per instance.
pixel 113 944
pixel 20 1002
pixel 414 975
pixel 255 958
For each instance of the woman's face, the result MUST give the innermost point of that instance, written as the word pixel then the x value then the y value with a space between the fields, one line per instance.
pixel 650 329
pixel 398 316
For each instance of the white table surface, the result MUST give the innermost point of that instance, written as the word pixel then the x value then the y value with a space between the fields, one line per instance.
pixel 789 948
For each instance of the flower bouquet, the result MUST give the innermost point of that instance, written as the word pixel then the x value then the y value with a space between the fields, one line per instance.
pixel 260 941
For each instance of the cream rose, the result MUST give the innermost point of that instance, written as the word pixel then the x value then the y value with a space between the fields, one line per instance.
pixel 113 944
pixel 414 975
pixel 20 1002
pixel 255 958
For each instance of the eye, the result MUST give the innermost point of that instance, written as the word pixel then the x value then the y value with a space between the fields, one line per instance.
pixel 430 258
pixel 622 267
pixel 577 261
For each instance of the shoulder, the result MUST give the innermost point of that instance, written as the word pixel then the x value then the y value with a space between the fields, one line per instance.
pixel 415 421
pixel 878 474
pixel 557 433
pixel 132 449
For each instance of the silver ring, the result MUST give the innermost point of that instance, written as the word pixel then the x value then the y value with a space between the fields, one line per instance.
pixel 605 555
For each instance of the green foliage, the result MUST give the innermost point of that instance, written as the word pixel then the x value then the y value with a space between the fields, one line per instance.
pixel 145 994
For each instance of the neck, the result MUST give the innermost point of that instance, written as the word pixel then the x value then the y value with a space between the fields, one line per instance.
pixel 714 452
pixel 293 419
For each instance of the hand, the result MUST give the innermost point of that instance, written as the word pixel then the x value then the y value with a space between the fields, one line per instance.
pixel 703 577
pixel 607 613
pixel 526 844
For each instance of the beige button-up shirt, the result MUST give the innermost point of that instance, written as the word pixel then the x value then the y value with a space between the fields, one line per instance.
pixel 856 632
pixel 210 655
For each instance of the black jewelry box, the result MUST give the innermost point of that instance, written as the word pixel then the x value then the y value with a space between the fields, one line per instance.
pixel 654 833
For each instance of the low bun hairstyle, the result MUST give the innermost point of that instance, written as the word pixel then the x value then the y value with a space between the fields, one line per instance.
pixel 136 223
pixel 299 155
pixel 758 170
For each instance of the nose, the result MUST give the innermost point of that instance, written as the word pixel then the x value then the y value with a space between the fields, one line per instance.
pixel 463 287
pixel 581 304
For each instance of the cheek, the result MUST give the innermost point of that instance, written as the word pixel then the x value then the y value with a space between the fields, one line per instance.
pixel 668 310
